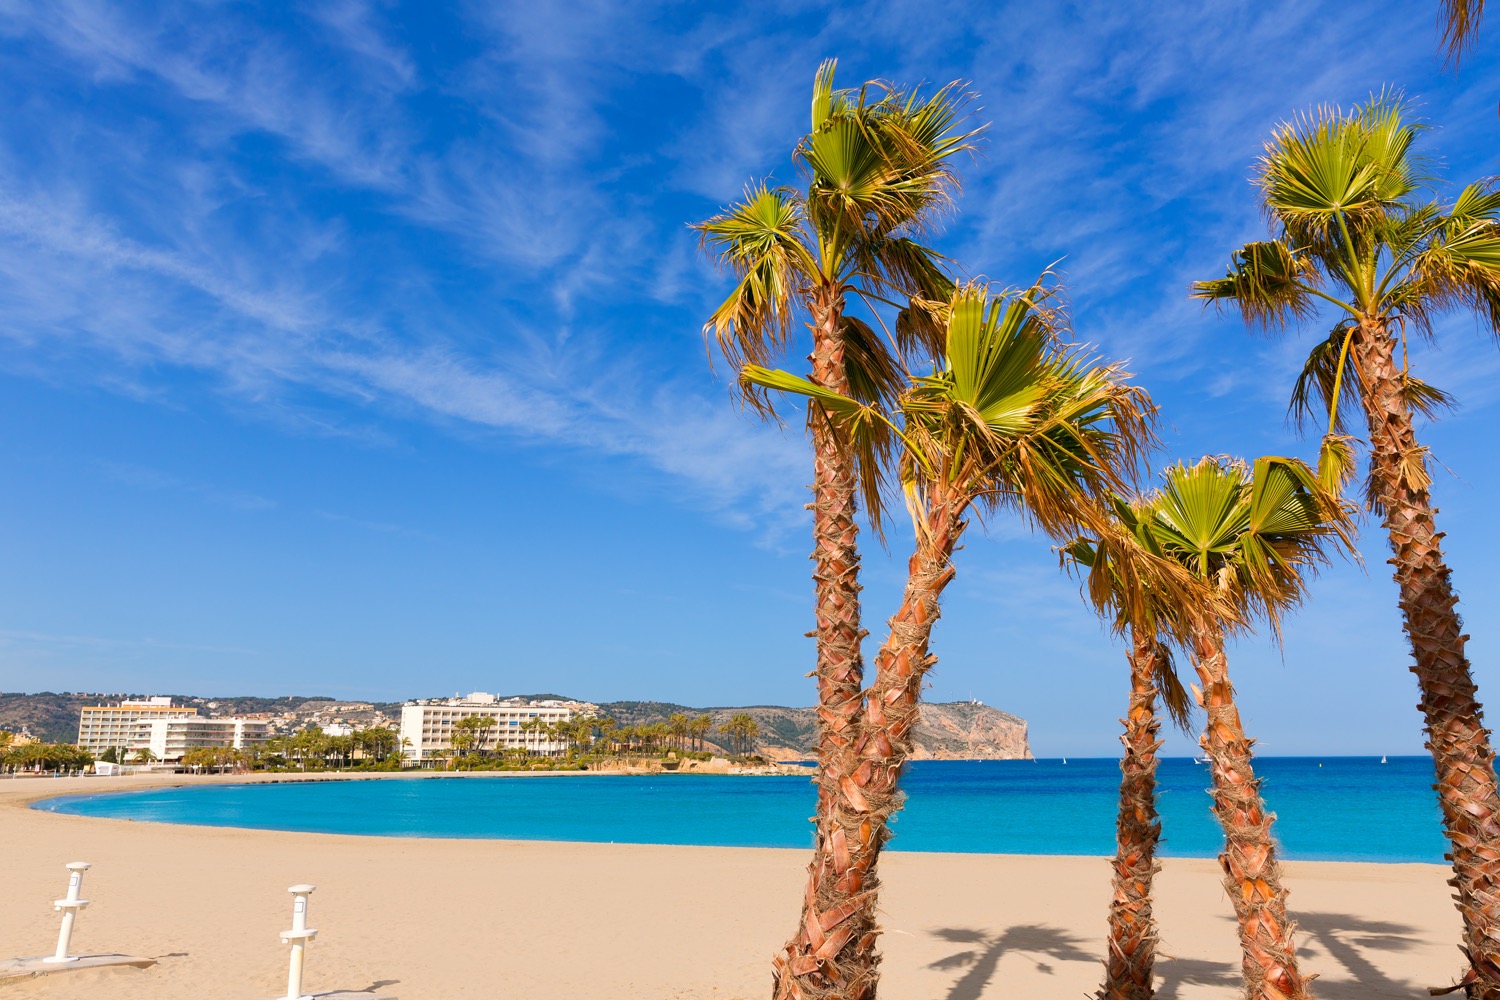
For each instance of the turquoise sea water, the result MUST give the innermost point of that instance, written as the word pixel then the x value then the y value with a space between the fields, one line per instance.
pixel 1330 808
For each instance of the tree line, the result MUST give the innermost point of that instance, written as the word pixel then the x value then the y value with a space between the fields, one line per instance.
pixel 59 758
pixel 475 738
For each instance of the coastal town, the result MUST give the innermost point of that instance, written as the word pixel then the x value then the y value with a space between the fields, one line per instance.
pixel 127 734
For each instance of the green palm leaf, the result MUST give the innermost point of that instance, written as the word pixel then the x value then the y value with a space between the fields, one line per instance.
pixel 1253 533
pixel 760 241
pixel 1013 420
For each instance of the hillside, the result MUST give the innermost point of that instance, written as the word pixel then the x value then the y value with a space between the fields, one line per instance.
pixel 958 730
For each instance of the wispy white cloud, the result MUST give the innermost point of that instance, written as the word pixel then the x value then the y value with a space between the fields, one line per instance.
pixel 524 268
pixel 267 342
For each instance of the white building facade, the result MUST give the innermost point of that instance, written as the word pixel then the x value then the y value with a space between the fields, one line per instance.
pixel 427 726
pixel 101 727
pixel 169 739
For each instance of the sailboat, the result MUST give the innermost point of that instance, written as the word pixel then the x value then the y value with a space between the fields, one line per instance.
pixel 1382 758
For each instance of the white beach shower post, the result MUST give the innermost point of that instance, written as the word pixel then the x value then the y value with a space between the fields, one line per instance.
pixel 298 937
pixel 69 907
pixel 61 960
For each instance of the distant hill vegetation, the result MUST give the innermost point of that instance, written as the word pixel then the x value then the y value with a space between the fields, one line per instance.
pixel 947 731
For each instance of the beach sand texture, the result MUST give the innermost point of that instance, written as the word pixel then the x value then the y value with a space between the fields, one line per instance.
pixel 420 919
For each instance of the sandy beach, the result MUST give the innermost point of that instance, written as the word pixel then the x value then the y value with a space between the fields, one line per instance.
pixel 422 919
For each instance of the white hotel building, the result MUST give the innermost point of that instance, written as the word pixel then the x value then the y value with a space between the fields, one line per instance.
pixel 169 739
pixel 427 726
pixel 101 727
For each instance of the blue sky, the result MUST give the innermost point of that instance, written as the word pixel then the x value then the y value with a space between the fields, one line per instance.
pixel 355 348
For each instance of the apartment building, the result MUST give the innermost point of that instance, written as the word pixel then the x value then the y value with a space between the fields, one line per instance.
pixel 168 739
pixel 427 726
pixel 103 726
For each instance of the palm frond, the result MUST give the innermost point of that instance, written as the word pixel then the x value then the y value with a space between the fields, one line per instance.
pixel 759 241
pixel 873 372
pixel 1267 281
pixel 881 160
pixel 1459 21
pixel 1013 419
pixel 902 265
pixel 920 326
pixel 1405 230
pixel 822 99
pixel 1336 463
pixel 1426 399
pixel 1459 268
pixel 867 433
pixel 1174 696
pixel 1476 203
pixel 1129 581
pixel 1388 133
pixel 1327 168
pixel 1253 532
pixel 1313 401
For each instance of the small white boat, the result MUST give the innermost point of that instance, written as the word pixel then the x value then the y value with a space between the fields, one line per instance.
pixel 1382 758
pixel 1065 760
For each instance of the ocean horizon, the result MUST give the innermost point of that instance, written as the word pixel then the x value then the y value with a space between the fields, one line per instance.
pixel 1328 808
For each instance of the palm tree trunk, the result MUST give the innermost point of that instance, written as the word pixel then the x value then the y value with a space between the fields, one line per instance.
pixel 840 665
pixel 838 957
pixel 1130 966
pixel 1252 875
pixel 1462 757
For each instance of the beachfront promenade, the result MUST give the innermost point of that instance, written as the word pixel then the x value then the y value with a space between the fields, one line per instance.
pixel 457 918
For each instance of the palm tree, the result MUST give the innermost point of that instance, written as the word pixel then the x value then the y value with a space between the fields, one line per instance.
pixel 1149 600
pixel 1251 534
pixel 1354 235
pixel 878 163
pixel 1009 420
pixel 678 725
pixel 470 734
pixel 700 727
pixel 742 730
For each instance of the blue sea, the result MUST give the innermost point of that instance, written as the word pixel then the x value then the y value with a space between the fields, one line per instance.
pixel 1328 808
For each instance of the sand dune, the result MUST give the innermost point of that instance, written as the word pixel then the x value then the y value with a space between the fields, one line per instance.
pixel 460 918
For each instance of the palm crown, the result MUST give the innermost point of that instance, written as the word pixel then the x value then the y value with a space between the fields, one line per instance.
pixel 1343 191
pixel 1251 532
pixel 1010 417
pixel 878 163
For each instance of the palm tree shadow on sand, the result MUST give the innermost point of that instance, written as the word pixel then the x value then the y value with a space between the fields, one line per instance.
pixel 1335 944
pixel 1347 939
pixel 1032 941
